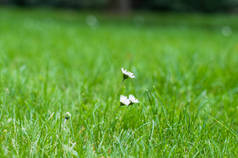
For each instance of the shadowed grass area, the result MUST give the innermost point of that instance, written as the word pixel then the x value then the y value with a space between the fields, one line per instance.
pixel 53 62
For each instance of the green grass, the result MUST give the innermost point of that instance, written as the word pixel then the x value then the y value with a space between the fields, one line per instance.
pixel 52 62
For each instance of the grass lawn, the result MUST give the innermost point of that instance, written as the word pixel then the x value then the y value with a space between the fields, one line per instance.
pixel 54 61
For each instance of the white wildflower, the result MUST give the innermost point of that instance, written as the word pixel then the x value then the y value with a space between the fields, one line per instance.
pixel 67 116
pixel 127 74
pixel 133 100
pixel 124 100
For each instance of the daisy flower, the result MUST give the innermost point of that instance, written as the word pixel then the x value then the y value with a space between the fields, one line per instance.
pixel 133 100
pixel 127 74
pixel 124 100
pixel 67 116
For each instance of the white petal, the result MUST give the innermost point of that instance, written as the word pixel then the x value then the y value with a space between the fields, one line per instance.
pixel 133 99
pixel 123 70
pixel 122 97
pixel 124 100
pixel 127 73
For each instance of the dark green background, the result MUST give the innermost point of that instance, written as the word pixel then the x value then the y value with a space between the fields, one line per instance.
pixel 127 5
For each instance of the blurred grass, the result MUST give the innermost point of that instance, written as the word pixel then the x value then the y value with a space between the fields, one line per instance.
pixel 54 61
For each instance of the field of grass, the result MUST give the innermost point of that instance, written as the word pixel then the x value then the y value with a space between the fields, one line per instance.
pixel 54 61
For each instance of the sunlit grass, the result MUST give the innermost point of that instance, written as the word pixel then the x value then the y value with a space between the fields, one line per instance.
pixel 53 62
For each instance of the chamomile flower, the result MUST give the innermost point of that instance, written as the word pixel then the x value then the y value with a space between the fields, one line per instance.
pixel 124 100
pixel 133 100
pixel 127 74
pixel 67 116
